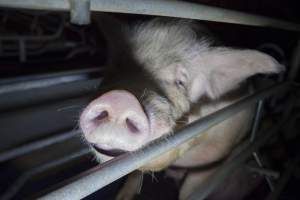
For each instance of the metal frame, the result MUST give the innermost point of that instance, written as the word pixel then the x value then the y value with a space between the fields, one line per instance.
pixel 19 183
pixel 42 81
pixel 160 8
pixel 114 169
pixel 33 146
pixel 290 168
pixel 102 175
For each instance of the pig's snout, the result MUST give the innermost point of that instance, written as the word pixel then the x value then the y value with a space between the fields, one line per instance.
pixel 115 120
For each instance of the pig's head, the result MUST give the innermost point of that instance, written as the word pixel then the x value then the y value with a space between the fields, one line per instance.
pixel 164 69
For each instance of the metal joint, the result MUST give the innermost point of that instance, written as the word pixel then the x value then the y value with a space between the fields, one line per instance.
pixel 80 12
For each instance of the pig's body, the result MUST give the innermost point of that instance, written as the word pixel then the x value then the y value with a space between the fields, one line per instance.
pixel 174 74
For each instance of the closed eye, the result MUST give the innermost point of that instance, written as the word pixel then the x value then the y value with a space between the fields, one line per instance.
pixel 180 84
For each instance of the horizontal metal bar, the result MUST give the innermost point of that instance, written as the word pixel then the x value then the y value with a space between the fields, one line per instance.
pixel 34 84
pixel 19 100
pixel 51 75
pixel 42 81
pixel 19 183
pixel 114 169
pixel 161 8
pixel 27 148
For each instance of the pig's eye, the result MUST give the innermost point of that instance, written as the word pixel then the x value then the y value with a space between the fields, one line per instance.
pixel 180 84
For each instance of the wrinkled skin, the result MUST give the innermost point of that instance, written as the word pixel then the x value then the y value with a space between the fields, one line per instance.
pixel 164 74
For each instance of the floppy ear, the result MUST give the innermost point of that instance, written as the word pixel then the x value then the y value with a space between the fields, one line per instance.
pixel 220 70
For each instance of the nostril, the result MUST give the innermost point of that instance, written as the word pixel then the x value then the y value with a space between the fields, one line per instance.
pixel 103 115
pixel 131 126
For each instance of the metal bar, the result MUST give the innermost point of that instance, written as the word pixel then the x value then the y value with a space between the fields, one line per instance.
pixel 295 62
pixel 264 171
pixel 228 167
pixel 80 11
pixel 35 38
pixel 43 81
pixel 22 50
pixel 255 126
pixel 292 165
pixel 259 162
pixel 27 148
pixel 51 75
pixel 114 169
pixel 161 8
pixel 257 118
pixel 18 184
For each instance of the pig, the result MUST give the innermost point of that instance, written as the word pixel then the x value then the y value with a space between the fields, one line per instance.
pixel 162 74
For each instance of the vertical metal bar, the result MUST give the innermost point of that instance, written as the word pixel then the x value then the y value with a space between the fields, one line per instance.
pixel 252 138
pixel 80 11
pixel 22 50
pixel 257 118
pixel 295 62
pixel 260 164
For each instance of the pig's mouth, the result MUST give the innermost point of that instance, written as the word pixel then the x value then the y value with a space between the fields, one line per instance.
pixel 111 152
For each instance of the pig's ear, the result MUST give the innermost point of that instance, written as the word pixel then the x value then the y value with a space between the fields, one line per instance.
pixel 222 69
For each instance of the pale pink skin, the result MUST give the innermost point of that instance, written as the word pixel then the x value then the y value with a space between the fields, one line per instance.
pixel 124 126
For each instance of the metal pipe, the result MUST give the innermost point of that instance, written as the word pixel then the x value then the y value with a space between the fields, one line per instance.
pixel 114 169
pixel 264 171
pixel 43 83
pixel 161 8
pixel 27 148
pixel 259 162
pixel 257 118
pixel 295 62
pixel 253 136
pixel 18 184
pixel 80 11
pixel 35 38
pixel 51 75
pixel 44 80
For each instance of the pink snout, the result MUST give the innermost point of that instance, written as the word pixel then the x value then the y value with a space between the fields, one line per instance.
pixel 115 121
